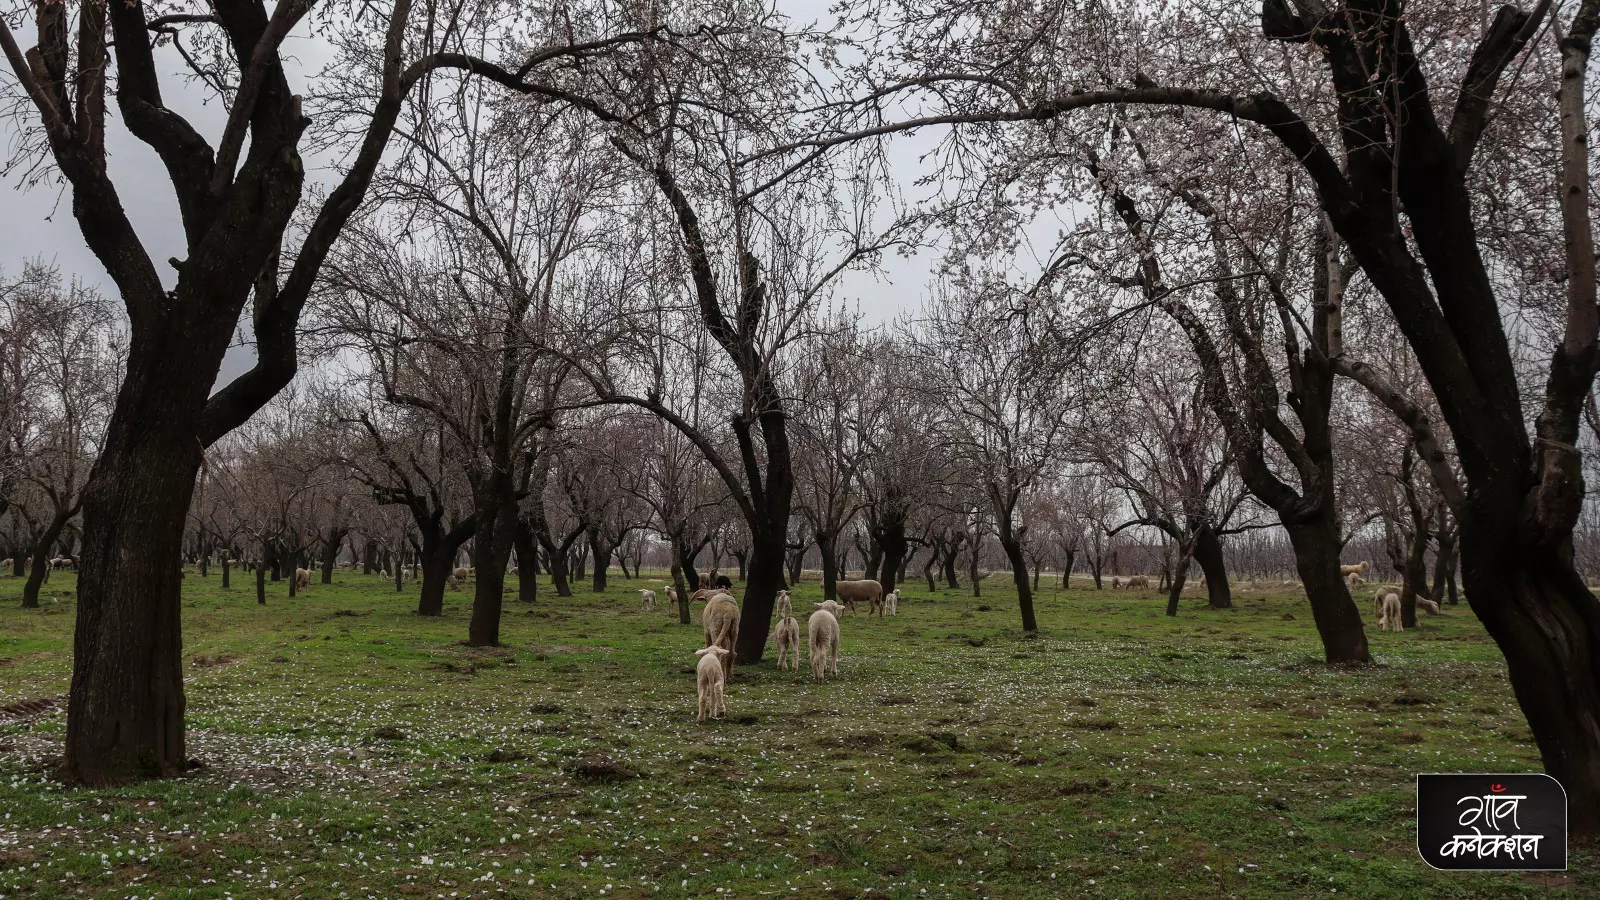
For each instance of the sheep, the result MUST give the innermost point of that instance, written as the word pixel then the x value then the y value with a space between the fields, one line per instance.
pixel 6 563
pixel 1389 616
pixel 1359 568
pixel 891 602
pixel 782 607
pixel 672 595
pixel 705 581
pixel 724 582
pixel 1116 583
pixel 1353 579
pixel 648 598
pixel 711 679
pixel 302 579
pixel 462 573
pixel 787 637
pixel 853 592
pixel 1139 581
pixel 61 562
pixel 822 635
pixel 1431 606
pixel 720 620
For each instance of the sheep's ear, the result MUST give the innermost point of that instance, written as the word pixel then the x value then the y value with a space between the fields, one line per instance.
pixel 704 650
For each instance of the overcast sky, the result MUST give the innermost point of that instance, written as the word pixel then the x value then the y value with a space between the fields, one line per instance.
pixel 37 222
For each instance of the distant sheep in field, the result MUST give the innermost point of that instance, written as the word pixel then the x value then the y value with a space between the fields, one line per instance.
pixel 1389 618
pixel 1116 583
pixel 782 607
pixel 647 598
pixel 1138 581
pixel 672 595
pixel 7 564
pixel 1359 568
pixel 705 581
pixel 853 592
pixel 822 636
pixel 723 582
pixel 720 620
pixel 462 573
pixel 302 579
pixel 891 602
pixel 63 562
pixel 1353 579
pixel 712 680
pixel 787 637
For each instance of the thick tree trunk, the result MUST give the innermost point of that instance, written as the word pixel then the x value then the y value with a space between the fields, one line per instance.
pixel 527 563
pixel 682 588
pixel 686 555
pixel 891 538
pixel 763 582
pixel 125 715
pixel 261 585
pixel 602 559
pixel 226 562
pixel 827 545
pixel 1208 555
pixel 1180 574
pixel 871 560
pixel 557 564
pixel 1316 552
pixel 491 553
pixel 330 553
pixel 927 570
pixel 742 557
pixel 951 581
pixel 368 555
pixel 1444 566
pixel 205 559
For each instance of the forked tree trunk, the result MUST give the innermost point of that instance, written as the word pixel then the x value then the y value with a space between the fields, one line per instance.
pixel 602 559
pixel 1180 574
pixel 1208 555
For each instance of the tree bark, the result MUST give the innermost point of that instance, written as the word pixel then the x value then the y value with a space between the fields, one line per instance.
pixel 226 565
pixel 602 558
pixel 683 591
pixel 1316 552
pixel 1208 555
pixel 527 563
pixel 1019 575
pixel 41 557
pixel 891 538
pixel 439 548
pixel 261 585
pixel 368 555
pixel 491 553
pixel 826 545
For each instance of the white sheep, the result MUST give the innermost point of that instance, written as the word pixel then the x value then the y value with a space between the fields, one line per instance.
pixel 1431 606
pixel 822 634
pixel 711 680
pixel 648 598
pixel 787 637
pixel 891 602
pixel 782 607
pixel 1116 583
pixel 672 595
pixel 1353 579
pixel 1139 581
pixel 1359 568
pixel 462 573
pixel 302 579
pixel 1389 618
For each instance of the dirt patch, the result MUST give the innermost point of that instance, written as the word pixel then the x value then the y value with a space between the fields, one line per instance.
pixel 24 710
pixel 601 768
pixel 215 662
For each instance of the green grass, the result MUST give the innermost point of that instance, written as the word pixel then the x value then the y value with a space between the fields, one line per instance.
pixel 352 749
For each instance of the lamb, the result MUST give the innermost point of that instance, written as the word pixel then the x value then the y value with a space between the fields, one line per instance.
pixel 720 620
pixel 1353 579
pixel 1389 618
pixel 853 592
pixel 302 579
pixel 1359 568
pixel 787 637
pixel 822 632
pixel 6 563
pixel 782 607
pixel 711 678
pixel 1116 583
pixel 891 602
pixel 648 598
pixel 672 595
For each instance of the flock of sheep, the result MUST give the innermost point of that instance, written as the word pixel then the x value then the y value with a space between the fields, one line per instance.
pixel 1385 598
pixel 720 621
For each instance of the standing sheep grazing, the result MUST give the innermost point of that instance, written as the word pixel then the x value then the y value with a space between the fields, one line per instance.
pixel 461 573
pixel 705 581
pixel 711 679
pixel 648 598
pixel 720 619
pixel 1140 581
pixel 822 633
pixel 1353 579
pixel 853 592
pixel 1359 568
pixel 891 602
pixel 672 595
pixel 302 579
pixel 1116 583
pixel 1389 618
pixel 782 606
pixel 787 637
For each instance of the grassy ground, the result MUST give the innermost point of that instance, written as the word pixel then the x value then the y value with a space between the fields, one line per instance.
pixel 351 749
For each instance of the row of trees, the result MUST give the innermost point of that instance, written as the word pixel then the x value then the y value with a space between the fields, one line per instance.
pixel 1316 267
